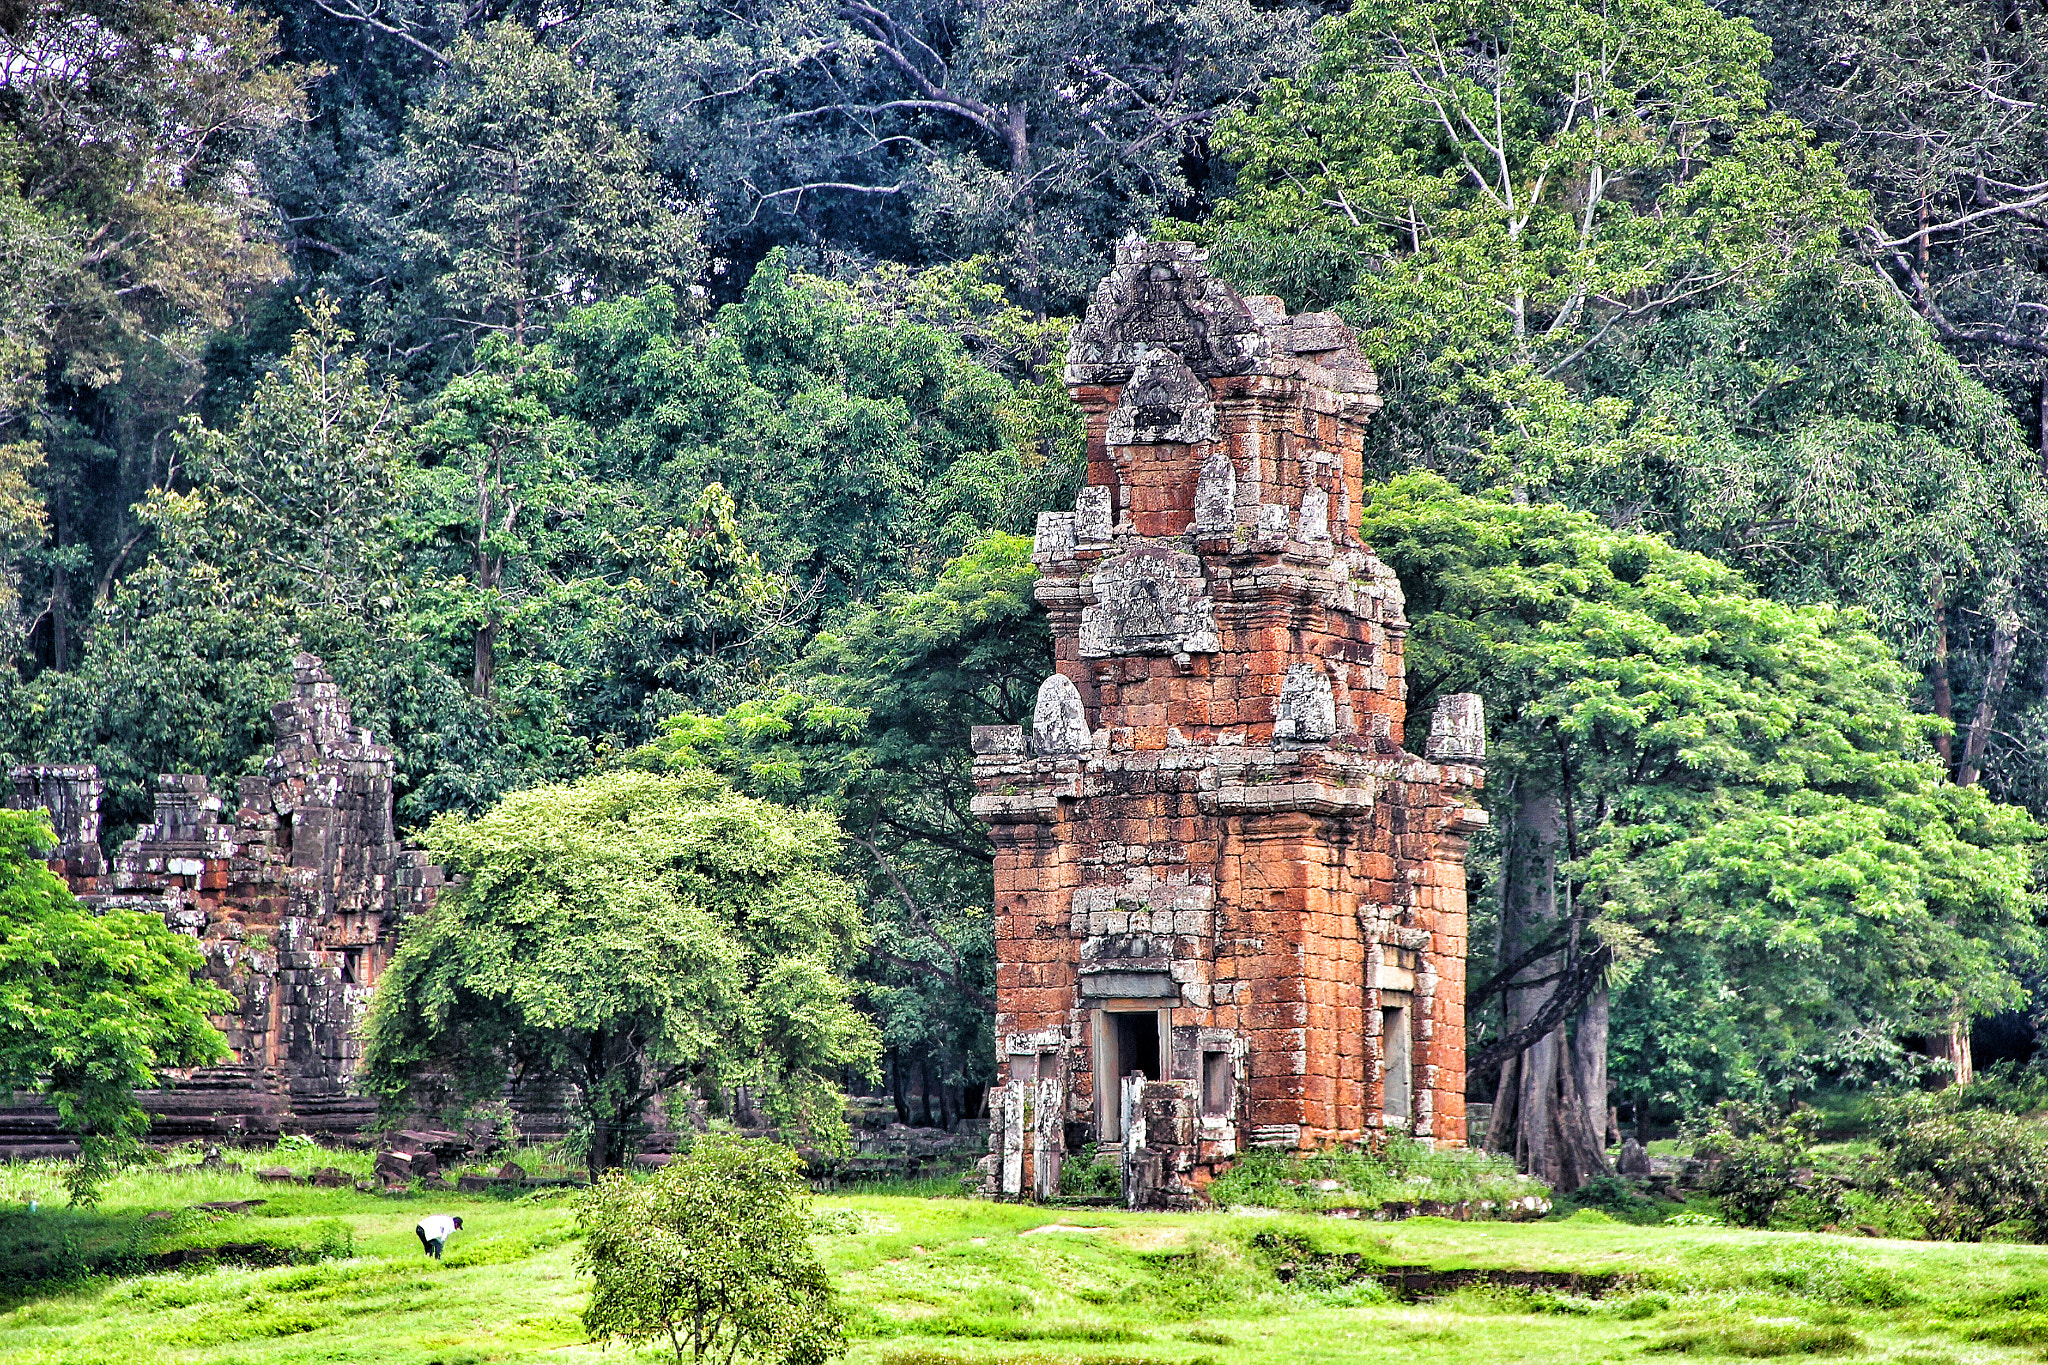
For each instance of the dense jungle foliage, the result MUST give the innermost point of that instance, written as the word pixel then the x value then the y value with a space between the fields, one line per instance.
pixel 648 401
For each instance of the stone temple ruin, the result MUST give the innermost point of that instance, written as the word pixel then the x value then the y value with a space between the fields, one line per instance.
pixel 1230 907
pixel 293 896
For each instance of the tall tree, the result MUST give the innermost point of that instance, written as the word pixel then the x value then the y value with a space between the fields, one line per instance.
pixel 1489 188
pixel 924 130
pixel 1939 112
pixel 512 195
pixel 862 449
pixel 875 731
pixel 1681 766
pixel 129 133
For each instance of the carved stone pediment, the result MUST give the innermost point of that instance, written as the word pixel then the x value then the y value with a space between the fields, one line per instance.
pixel 1150 601
pixel 1163 402
pixel 1161 295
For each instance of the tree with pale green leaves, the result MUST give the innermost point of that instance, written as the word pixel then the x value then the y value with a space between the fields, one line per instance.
pixel 93 1006
pixel 1489 188
pixel 873 727
pixel 712 1255
pixel 631 938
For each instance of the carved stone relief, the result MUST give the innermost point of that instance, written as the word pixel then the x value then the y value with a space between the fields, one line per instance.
pixel 1163 402
pixel 1059 723
pixel 1307 710
pixel 1150 601
pixel 1216 492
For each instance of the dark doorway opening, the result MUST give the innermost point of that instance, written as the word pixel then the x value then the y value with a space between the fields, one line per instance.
pixel 1137 1043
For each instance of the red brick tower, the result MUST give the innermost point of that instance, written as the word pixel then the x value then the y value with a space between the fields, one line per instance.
pixel 1230 908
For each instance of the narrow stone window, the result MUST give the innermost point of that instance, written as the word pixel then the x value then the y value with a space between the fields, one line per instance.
pixel 1398 1078
pixel 1216 1077
pixel 1023 1066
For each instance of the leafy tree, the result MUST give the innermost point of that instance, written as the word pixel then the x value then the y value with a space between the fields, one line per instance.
pixel 1939 113
pixel 926 130
pixel 631 936
pixel 861 451
pixel 1680 765
pixel 714 1254
pixel 491 452
pixel 282 543
pixel 134 219
pixel 875 731
pixel 513 196
pixel 1490 187
pixel 93 1006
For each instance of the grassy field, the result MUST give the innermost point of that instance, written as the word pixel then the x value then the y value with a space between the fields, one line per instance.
pixel 947 1281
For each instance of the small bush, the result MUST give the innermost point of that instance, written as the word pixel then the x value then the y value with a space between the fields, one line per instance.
pixel 1753 1163
pixel 713 1255
pixel 1973 1170
pixel 1609 1195
pixel 1091 1177
pixel 2008 1088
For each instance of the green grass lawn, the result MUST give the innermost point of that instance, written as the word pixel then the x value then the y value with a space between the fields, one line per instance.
pixel 946 1281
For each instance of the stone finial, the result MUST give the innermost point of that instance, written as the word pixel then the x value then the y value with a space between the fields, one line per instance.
pixel 1307 710
pixel 1216 492
pixel 1059 723
pixel 1457 729
pixel 1163 401
pixel 1092 518
pixel 1160 294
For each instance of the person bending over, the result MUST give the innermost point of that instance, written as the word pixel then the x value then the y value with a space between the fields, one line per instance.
pixel 434 1231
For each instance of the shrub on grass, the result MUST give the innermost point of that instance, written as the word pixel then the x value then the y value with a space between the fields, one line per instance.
pixel 1753 1162
pixel 1611 1195
pixel 1972 1170
pixel 2008 1087
pixel 713 1255
pixel 1091 1177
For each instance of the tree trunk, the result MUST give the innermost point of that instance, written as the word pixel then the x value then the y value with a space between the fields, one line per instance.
pixel 1953 1046
pixel 896 1089
pixel 60 621
pixel 2041 413
pixel 2005 638
pixel 1944 698
pixel 1584 1123
pixel 1550 1104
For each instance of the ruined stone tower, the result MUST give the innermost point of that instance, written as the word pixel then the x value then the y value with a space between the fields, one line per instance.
pixel 1230 907
pixel 293 895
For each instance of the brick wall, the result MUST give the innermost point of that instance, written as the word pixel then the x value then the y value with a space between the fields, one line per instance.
pixel 1212 829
